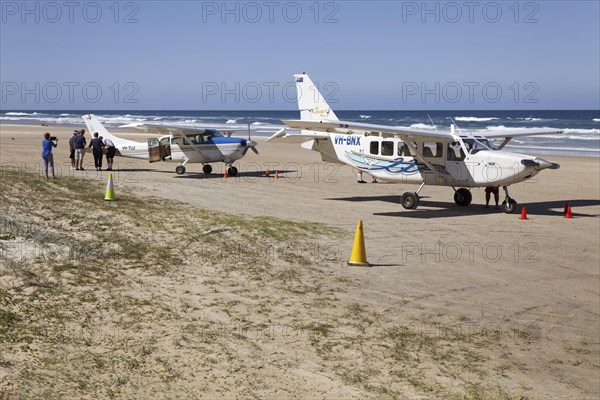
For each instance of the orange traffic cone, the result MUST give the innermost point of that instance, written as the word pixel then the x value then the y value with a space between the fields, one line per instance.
pixel 358 258
pixel 226 174
pixel 568 211
pixel 566 207
pixel 276 174
pixel 523 214
pixel 267 172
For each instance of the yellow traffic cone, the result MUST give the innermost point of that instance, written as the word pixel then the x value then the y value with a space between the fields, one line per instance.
pixel 358 258
pixel 110 189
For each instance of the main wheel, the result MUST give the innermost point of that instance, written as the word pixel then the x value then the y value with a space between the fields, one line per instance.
pixel 509 205
pixel 463 197
pixel 207 169
pixel 180 170
pixel 410 200
pixel 232 171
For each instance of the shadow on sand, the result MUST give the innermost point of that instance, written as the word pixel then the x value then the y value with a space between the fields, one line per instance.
pixel 215 175
pixel 448 209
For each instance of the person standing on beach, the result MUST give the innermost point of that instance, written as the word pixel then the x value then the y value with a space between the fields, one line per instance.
pixel 488 191
pixel 79 143
pixel 47 144
pixel 110 153
pixel 72 149
pixel 97 147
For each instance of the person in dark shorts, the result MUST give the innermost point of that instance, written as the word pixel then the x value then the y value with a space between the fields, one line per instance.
pixel 72 149
pixel 97 147
pixel 488 191
pixel 79 143
pixel 110 153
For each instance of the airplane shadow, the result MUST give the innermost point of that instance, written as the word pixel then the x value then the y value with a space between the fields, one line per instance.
pixel 216 175
pixel 450 209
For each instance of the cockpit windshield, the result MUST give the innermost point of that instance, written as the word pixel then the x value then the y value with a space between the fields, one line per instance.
pixel 475 145
pixel 202 136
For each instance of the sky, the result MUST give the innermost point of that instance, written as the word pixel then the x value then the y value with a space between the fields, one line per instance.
pixel 364 55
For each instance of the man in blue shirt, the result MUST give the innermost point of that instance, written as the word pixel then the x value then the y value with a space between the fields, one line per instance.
pixel 47 145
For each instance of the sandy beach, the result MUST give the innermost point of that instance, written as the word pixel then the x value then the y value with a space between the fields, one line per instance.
pixel 520 298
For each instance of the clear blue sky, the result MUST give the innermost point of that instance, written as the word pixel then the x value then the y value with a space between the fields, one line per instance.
pixel 373 54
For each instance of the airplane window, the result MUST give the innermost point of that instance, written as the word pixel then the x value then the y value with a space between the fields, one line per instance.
pixel 387 148
pixel 404 150
pixel 455 152
pixel 439 149
pixel 178 140
pixel 432 149
pixel 374 149
pixel 476 145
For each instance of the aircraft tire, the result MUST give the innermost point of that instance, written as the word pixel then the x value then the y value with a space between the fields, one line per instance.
pixel 207 169
pixel 232 171
pixel 509 205
pixel 463 197
pixel 180 170
pixel 410 200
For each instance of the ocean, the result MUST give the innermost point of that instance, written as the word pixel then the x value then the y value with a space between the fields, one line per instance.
pixel 581 128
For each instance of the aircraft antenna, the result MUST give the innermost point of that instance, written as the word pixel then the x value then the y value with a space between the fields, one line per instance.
pixel 430 120
pixel 455 124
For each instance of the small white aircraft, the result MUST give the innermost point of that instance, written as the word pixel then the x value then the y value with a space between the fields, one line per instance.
pixel 417 156
pixel 180 144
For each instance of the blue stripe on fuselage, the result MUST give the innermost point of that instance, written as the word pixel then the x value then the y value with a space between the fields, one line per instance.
pixel 226 140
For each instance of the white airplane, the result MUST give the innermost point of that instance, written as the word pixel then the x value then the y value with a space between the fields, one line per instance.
pixel 180 144
pixel 462 160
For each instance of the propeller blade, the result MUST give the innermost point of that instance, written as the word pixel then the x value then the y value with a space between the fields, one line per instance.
pixel 254 149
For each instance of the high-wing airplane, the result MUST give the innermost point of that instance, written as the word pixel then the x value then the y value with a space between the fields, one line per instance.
pixel 462 160
pixel 180 144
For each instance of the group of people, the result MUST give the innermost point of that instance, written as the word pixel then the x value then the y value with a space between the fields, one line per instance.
pixel 77 146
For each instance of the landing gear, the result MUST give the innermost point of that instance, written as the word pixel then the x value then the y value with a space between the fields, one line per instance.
pixel 463 197
pixel 180 169
pixel 509 205
pixel 410 200
pixel 232 171
pixel 207 169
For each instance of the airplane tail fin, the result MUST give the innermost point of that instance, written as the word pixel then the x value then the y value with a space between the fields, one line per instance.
pixel 94 125
pixel 311 103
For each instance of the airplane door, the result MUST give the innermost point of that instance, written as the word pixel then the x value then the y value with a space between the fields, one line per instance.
pixel 456 165
pixel 153 150
pixel 165 148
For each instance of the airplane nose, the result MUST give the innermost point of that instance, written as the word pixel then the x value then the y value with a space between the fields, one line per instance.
pixel 539 164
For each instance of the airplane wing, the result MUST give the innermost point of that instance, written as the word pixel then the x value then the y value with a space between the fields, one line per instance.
pixel 344 127
pixel 514 132
pixel 341 127
pixel 183 130
pixel 283 133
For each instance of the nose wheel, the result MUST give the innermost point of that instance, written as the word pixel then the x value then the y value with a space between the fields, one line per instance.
pixel 180 170
pixel 509 205
pixel 232 171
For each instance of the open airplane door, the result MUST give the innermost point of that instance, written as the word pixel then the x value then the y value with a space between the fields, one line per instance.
pixel 153 150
